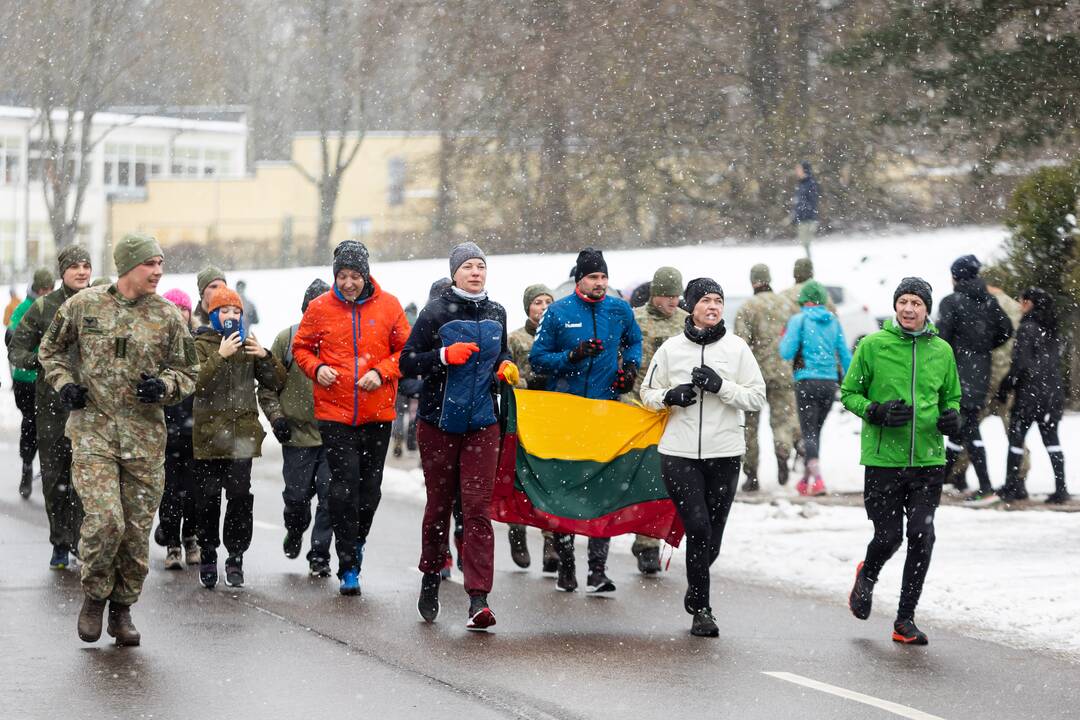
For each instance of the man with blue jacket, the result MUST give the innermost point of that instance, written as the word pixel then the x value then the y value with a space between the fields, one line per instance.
pixel 588 344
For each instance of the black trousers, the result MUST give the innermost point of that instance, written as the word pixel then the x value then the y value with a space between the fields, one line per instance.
pixel 177 514
pixel 234 477
pixel 356 455
pixel 24 400
pixel 1019 424
pixel 814 399
pixel 702 491
pixel 970 439
pixel 890 495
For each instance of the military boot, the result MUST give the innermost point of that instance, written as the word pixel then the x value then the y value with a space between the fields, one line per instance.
pixel 120 625
pixel 90 619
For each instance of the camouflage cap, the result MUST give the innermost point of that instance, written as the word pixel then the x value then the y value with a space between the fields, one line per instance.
pixel 666 282
pixel 804 270
pixel 534 291
pixel 70 256
pixel 134 249
pixel 208 275
pixel 760 275
pixel 43 280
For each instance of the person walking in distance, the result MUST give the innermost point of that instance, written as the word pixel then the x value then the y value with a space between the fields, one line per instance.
pixel 715 371
pixel 291 412
pixel 459 347
pixel 348 343
pixel 761 321
pixel 62 503
pixel 903 383
pixel 116 355
pixel 815 342
pixel 804 211
pixel 588 344
pixel 227 432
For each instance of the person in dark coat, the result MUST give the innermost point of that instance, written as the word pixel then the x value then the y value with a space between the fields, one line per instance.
pixel 1035 380
pixel 973 323
pixel 804 211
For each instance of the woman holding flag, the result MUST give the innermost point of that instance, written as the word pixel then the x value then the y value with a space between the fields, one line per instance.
pixel 458 346
pixel 707 378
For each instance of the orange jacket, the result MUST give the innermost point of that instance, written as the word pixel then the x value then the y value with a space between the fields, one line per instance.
pixel 353 338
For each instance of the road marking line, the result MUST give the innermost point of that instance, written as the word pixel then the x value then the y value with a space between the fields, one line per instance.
pixel 896 709
pixel 265 525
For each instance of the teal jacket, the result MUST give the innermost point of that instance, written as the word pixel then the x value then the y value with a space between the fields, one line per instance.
pixel 21 374
pixel 920 370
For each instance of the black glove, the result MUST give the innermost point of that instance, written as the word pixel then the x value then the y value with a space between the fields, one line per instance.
pixel 282 431
pixel 891 413
pixel 706 379
pixel 150 389
pixel 586 348
pixel 950 422
pixel 624 379
pixel 73 396
pixel 682 395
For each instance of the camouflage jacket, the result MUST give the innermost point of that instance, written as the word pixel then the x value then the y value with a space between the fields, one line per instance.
pixel 655 329
pixel 520 343
pixel 1001 357
pixel 761 322
pixel 792 294
pixel 105 342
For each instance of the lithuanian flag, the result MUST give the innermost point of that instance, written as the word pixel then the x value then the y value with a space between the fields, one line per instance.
pixel 588 467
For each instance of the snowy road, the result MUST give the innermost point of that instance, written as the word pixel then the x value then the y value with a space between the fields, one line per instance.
pixel 286 646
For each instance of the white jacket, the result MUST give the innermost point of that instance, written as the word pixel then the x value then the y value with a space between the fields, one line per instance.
pixel 714 426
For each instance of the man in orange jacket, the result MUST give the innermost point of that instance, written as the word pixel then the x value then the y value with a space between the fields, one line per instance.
pixel 348 343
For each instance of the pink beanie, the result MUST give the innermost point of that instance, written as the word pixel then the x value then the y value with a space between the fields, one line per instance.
pixel 179 298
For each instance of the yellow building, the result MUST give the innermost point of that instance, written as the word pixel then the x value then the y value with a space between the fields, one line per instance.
pixel 270 217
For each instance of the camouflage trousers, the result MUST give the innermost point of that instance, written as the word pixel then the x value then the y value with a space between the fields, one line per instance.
pixel 62 505
pixel 1000 409
pixel 120 498
pixel 784 421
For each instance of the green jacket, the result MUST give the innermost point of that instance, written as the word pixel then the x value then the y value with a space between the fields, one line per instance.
pixel 226 415
pixel 294 401
pixel 920 370
pixel 20 374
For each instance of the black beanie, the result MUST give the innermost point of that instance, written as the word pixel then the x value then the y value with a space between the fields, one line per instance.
pixel 589 261
pixel 966 267
pixel 915 286
pixel 351 254
pixel 314 290
pixel 699 288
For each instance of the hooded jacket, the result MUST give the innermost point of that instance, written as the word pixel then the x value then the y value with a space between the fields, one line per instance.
pixel 816 334
pixel 353 338
pixel 1035 373
pixel 892 364
pixel 973 323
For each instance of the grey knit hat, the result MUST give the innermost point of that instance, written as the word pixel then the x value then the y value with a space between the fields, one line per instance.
pixel 462 253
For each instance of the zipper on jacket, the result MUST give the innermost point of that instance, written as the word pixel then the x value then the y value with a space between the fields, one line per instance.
pixel 356 366
pixel 588 370
pixel 479 350
pixel 701 410
pixel 914 403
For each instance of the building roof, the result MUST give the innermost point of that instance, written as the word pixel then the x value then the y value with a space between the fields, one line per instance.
pixel 139 120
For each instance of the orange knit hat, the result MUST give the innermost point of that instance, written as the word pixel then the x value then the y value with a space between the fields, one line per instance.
pixel 224 296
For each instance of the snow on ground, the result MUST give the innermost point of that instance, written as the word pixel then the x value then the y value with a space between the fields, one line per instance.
pixel 1009 577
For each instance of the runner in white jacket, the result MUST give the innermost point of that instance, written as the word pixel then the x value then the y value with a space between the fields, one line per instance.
pixel 708 378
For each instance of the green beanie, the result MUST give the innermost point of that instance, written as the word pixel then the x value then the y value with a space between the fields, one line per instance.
pixel 134 249
pixel 813 292
pixel 534 291
pixel 43 280
pixel 760 275
pixel 804 270
pixel 71 255
pixel 666 282
pixel 208 275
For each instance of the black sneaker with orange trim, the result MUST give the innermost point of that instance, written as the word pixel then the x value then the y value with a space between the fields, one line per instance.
pixel 904 631
pixel 862 595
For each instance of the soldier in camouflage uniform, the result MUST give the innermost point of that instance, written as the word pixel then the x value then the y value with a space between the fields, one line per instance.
pixel 117 355
pixel 1000 360
pixel 803 271
pixel 536 300
pixel 761 322
pixel 61 501
pixel 659 319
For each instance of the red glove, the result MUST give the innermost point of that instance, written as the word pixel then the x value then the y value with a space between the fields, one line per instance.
pixel 459 353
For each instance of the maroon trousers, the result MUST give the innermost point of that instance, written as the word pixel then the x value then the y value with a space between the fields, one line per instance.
pixel 453 461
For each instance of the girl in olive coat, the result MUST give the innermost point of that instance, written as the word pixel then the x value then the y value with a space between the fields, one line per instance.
pixel 227 432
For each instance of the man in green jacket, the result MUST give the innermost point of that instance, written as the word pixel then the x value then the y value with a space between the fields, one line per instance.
pixel 903 383
pixel 62 503
pixel 23 381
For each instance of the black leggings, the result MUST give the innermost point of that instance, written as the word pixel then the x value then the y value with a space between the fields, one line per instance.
pixel 890 495
pixel 234 477
pixel 177 513
pixel 971 440
pixel 702 491
pixel 815 398
pixel 1019 424
pixel 24 400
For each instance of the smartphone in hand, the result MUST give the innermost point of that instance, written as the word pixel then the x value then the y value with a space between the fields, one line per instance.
pixel 232 325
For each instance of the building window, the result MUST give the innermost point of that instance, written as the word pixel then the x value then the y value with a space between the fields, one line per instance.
pixel 201 162
pixel 359 228
pixel 128 165
pixel 10 160
pixel 41 162
pixel 395 190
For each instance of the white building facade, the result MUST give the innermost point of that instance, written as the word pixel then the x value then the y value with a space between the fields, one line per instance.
pixel 128 150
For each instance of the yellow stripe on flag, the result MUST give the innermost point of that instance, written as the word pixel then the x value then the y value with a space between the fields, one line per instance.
pixel 554 425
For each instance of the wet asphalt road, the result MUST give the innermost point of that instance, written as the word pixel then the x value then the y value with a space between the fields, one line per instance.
pixel 286 646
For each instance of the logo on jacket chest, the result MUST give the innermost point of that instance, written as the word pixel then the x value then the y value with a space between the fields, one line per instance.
pixel 573 325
